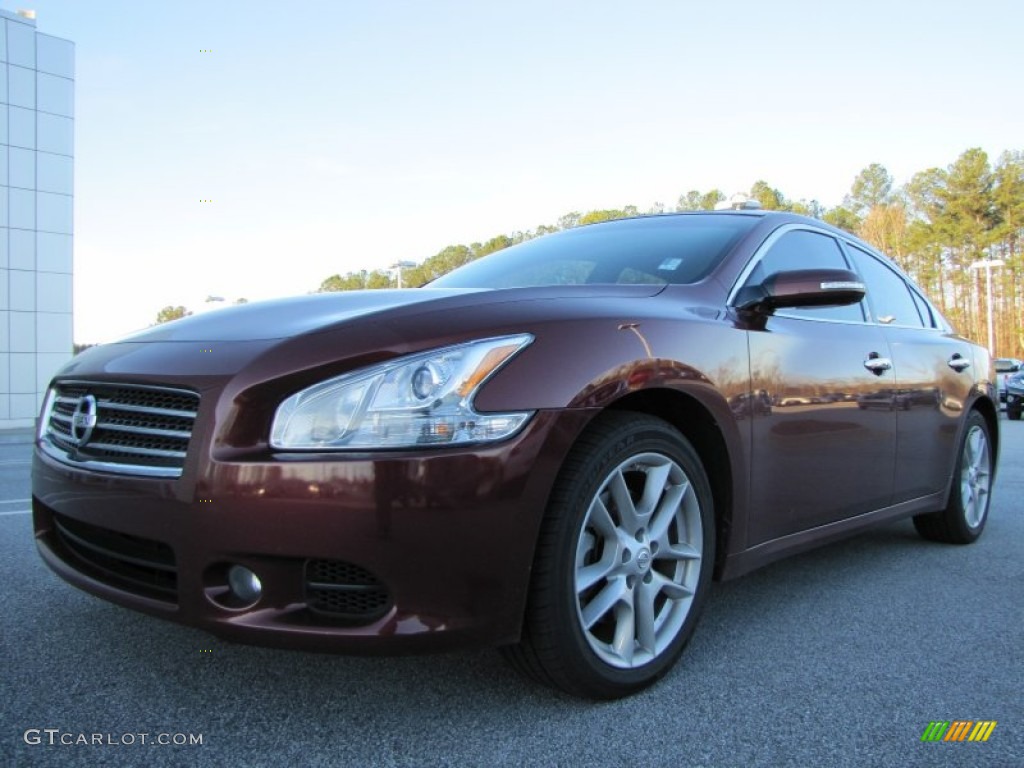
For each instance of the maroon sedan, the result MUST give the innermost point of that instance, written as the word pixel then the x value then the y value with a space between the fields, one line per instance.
pixel 552 449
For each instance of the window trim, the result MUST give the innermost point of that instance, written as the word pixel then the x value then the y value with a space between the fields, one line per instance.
pixel 922 303
pixel 846 241
pixel 937 322
pixel 763 249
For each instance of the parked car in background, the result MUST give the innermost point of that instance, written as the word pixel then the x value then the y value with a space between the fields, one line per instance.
pixel 1005 367
pixel 553 449
pixel 1014 395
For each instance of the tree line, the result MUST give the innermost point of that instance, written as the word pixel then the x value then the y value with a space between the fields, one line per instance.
pixel 176 312
pixel 936 226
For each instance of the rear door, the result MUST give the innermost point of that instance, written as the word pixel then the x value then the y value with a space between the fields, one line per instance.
pixel 933 377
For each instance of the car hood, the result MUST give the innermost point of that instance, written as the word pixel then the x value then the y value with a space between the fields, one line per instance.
pixel 227 340
pixel 285 318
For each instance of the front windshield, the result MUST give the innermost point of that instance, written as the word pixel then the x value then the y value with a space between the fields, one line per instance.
pixel 653 250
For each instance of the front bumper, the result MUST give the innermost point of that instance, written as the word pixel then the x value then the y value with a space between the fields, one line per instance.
pixel 439 543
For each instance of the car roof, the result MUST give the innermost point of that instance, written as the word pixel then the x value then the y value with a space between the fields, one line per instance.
pixel 759 213
pixel 769 218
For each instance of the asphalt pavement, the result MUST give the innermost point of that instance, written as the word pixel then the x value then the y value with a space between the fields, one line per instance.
pixel 838 657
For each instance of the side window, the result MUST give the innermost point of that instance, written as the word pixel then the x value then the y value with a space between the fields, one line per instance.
pixel 800 249
pixel 888 293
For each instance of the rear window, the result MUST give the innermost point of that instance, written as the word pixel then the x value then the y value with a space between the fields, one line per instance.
pixel 650 250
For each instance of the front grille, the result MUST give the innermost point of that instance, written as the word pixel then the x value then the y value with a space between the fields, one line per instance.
pixel 137 429
pixel 132 563
pixel 345 591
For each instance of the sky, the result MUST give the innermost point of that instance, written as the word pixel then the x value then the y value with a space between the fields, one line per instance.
pixel 337 136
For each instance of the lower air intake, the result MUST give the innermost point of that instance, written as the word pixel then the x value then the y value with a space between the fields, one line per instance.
pixel 345 591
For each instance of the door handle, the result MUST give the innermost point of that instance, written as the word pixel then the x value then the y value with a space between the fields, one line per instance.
pixel 876 364
pixel 958 363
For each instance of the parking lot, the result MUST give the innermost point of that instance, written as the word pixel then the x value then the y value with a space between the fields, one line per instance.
pixel 839 657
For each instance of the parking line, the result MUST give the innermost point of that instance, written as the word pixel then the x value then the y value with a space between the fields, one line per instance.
pixel 16 512
pixel 15 501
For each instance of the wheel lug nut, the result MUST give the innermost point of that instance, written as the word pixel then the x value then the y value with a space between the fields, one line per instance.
pixel 626 556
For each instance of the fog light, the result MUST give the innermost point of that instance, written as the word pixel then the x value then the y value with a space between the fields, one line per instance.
pixel 245 584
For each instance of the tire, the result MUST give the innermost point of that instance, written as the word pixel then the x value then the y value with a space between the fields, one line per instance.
pixel 963 519
pixel 612 602
pixel 1013 414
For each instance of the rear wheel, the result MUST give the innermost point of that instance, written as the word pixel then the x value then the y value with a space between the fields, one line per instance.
pixel 623 562
pixel 963 519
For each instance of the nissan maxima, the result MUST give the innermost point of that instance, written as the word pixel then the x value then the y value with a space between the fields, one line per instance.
pixel 553 449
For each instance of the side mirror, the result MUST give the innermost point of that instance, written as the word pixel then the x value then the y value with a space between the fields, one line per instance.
pixel 802 288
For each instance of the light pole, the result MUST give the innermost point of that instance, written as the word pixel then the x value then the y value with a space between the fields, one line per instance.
pixel 987 265
pixel 398 266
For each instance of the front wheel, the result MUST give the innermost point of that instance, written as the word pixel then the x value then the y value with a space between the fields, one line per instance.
pixel 963 519
pixel 623 563
pixel 1013 414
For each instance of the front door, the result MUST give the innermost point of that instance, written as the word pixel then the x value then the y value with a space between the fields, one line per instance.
pixel 825 449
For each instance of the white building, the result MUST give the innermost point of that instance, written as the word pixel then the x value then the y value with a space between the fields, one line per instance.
pixel 36 187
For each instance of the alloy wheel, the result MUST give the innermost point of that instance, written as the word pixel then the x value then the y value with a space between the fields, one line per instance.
pixel 638 560
pixel 975 476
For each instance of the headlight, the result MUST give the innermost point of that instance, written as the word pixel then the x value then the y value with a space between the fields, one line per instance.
pixel 422 399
